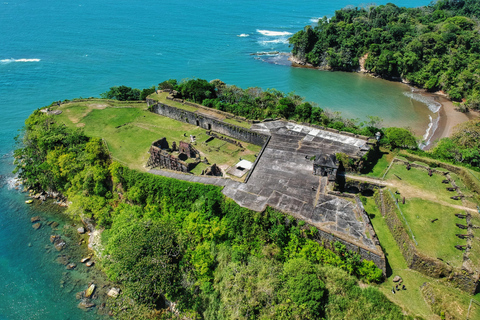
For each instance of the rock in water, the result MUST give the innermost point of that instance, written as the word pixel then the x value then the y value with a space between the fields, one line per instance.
pixel 54 224
pixel 36 226
pixel 86 259
pixel 113 293
pixel 80 295
pixel 35 219
pixel 89 263
pixel 89 291
pixel 85 304
pixel 397 278
pixel 71 266
pixel 81 230
pixel 59 244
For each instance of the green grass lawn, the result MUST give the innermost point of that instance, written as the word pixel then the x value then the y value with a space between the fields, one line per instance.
pixel 129 132
pixel 412 300
pixel 420 180
pixel 382 164
pixel 419 214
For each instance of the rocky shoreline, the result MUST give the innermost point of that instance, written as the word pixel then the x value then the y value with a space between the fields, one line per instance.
pixel 69 245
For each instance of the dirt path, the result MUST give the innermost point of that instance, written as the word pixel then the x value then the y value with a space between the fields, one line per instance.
pixel 411 192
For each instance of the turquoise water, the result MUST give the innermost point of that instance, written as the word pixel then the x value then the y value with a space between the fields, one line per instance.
pixel 55 50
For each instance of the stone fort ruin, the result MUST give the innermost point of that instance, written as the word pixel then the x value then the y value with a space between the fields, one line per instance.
pixel 285 176
pixel 166 157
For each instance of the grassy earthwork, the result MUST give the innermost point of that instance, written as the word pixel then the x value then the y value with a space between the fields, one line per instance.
pixel 412 299
pixel 417 180
pixel 427 199
pixel 130 129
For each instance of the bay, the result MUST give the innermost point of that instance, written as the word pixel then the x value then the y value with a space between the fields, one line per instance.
pixel 55 50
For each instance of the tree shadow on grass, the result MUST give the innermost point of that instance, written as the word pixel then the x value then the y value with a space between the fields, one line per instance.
pixel 373 157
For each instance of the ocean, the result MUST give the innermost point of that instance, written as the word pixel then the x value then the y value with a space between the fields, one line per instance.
pixel 55 50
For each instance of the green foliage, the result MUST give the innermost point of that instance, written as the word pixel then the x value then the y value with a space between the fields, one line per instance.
pixel 168 85
pixel 400 138
pixel 185 242
pixel 146 92
pixel 197 90
pixel 463 146
pixel 144 255
pixel 434 47
pixel 303 285
pixel 255 103
pixel 122 93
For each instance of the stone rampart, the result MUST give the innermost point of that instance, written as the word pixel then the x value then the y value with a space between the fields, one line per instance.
pixel 208 123
pixel 419 262
pixel 328 239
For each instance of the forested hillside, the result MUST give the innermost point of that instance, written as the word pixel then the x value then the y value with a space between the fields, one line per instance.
pixel 436 47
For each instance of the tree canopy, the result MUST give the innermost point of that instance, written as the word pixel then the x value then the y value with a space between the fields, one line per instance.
pixel 436 47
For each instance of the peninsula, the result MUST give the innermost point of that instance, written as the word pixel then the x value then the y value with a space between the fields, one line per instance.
pixel 205 212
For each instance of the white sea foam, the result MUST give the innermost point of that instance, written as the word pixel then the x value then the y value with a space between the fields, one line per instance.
pixel 4 61
pixel 243 35
pixel 433 105
pixel 314 20
pixel 269 33
pixel 432 127
pixel 281 40
pixel 12 182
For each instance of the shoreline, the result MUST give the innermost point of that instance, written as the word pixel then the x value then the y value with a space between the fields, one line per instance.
pixel 448 116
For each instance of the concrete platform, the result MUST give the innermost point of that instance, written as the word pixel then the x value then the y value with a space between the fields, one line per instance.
pixel 283 179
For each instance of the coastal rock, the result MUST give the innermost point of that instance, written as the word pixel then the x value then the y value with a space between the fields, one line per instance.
pixel 59 243
pixel 86 304
pixel 54 224
pixel 113 292
pixel 53 238
pixel 89 291
pixel 63 260
pixel 71 266
pixel 81 230
pixel 35 219
pixel 80 295
pixel 90 263
pixel 85 259
pixel 36 226
pixel 397 279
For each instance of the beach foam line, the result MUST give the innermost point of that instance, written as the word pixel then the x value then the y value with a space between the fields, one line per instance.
pixel 265 42
pixel 18 60
pixel 315 20
pixel 269 33
pixel 243 35
pixel 433 105
pixel 432 127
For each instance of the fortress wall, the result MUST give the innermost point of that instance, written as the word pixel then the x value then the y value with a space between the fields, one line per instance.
pixel 327 239
pixel 208 123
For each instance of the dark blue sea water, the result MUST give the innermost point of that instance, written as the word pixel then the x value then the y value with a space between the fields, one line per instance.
pixel 55 50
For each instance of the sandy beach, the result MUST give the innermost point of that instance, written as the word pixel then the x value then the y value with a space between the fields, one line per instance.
pixel 449 118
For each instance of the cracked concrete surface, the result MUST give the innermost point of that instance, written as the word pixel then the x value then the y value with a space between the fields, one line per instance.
pixel 283 179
